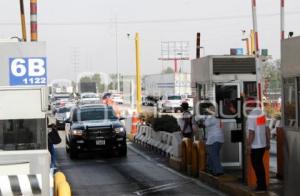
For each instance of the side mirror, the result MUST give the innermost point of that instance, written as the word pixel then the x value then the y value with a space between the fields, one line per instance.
pixel 122 118
pixel 67 120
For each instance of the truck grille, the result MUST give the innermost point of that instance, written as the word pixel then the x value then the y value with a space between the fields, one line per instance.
pixel 100 132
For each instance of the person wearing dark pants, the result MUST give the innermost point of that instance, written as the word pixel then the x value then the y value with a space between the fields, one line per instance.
pixel 213 159
pixel 258 165
pixel 258 143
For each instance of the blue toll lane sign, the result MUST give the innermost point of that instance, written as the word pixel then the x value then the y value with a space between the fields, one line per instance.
pixel 28 71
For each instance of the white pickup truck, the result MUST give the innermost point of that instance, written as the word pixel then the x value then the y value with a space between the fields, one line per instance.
pixel 169 103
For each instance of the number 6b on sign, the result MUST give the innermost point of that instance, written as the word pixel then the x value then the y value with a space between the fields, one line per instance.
pixel 28 71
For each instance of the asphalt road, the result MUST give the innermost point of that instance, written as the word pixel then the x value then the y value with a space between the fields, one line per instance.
pixel 141 173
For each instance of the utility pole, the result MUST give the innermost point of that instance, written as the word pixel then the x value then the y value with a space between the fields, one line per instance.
pixel 282 18
pixel 117 55
pixel 138 74
pixel 198 45
pixel 33 20
pixel 23 23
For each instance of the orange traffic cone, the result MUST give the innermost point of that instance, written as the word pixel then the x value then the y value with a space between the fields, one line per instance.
pixel 134 120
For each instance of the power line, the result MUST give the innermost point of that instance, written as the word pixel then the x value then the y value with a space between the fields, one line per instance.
pixel 154 21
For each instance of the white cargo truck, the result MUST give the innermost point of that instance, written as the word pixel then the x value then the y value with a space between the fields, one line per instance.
pixel 24 158
pixel 167 84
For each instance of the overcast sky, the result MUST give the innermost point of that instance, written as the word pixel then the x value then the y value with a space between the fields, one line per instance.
pixel 84 32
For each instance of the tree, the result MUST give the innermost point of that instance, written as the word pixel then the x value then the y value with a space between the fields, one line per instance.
pixel 114 80
pixel 168 70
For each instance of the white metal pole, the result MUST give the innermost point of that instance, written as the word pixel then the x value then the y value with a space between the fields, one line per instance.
pixel 282 24
pixel 257 59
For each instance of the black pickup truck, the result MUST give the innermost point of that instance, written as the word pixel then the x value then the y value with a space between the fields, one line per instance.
pixel 94 127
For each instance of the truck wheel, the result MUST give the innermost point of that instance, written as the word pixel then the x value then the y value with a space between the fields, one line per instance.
pixel 73 153
pixel 123 151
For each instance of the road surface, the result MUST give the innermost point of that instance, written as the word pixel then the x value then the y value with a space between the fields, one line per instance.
pixel 141 173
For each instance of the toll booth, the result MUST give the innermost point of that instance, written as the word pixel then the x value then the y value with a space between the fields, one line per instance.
pixel 24 156
pixel 290 69
pixel 23 139
pixel 221 80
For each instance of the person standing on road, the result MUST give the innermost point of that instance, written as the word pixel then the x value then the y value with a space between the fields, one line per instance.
pixel 53 138
pixel 214 142
pixel 258 142
pixel 187 124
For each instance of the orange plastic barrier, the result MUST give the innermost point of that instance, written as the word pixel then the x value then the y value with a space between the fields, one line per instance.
pixel 134 123
pixel 186 148
pixel 280 152
pixel 251 174
pixel 195 158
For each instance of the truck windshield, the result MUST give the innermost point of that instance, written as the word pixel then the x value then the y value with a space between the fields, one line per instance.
pixel 97 114
pixel 64 110
pixel 28 134
pixel 89 96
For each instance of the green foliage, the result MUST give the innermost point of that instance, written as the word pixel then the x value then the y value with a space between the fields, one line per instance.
pixel 167 70
pixel 114 80
pixel 165 123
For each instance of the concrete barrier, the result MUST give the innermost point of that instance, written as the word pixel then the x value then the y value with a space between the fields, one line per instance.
pixel 167 143
pixel 21 185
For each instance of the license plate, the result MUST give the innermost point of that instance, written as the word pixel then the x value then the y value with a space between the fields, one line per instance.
pixel 100 142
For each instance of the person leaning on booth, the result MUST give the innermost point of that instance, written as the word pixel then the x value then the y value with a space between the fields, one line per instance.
pixel 214 141
pixel 258 141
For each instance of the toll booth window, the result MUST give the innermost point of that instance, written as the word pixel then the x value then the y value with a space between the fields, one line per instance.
pixel 250 89
pixel 29 134
pixel 289 93
pixel 226 97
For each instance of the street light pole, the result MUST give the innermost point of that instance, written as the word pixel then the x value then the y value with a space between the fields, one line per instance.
pixel 117 56
pixel 138 74
pixel 257 60
pixel 247 45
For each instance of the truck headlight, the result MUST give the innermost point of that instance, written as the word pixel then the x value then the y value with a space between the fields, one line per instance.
pixel 120 130
pixel 77 132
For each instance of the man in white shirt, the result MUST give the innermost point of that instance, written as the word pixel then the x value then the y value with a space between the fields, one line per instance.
pixel 214 141
pixel 258 143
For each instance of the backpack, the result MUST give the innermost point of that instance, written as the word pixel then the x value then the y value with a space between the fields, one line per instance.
pixel 187 123
pixel 53 137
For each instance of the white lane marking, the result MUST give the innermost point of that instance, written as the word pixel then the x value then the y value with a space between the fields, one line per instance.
pixel 156 189
pixel 199 183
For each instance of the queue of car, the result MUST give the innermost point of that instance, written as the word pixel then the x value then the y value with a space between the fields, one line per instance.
pixel 90 125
